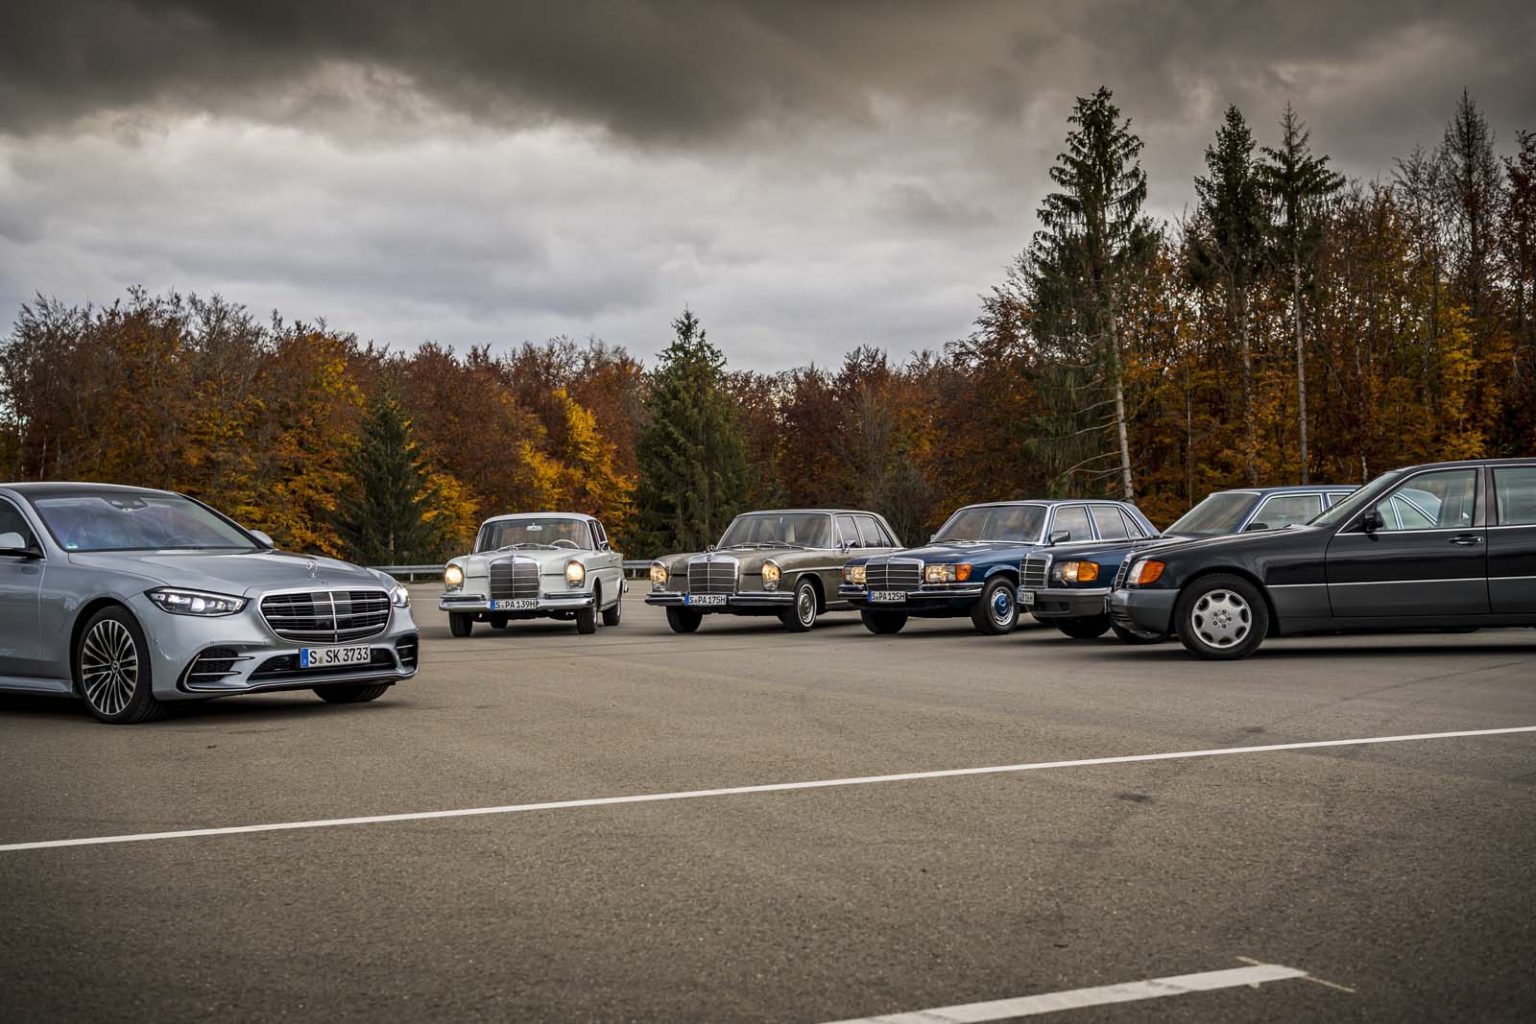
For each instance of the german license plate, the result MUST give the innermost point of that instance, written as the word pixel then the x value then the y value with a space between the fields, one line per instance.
pixel 887 596
pixel 516 604
pixel 331 657
pixel 704 600
pixel 1026 598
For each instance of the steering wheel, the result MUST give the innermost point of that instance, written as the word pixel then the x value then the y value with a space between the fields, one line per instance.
pixel 563 542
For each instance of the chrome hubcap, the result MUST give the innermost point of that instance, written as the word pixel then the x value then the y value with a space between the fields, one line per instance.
pixel 1221 618
pixel 1002 608
pixel 806 606
pixel 109 666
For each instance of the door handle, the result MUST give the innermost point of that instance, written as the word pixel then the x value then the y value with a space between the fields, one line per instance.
pixel 1466 540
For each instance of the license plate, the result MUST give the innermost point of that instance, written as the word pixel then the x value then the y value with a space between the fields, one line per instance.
pixel 887 596
pixel 330 657
pixel 1026 598
pixel 704 600
pixel 516 604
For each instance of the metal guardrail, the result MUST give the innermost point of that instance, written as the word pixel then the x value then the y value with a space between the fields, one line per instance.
pixel 637 566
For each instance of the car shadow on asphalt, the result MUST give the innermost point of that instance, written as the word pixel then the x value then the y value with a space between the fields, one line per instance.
pixel 247 708
pixel 1333 647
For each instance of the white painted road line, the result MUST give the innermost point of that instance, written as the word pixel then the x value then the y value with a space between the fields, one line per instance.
pixel 1051 1002
pixel 773 787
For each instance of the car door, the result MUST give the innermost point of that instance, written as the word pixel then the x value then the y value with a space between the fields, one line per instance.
pixel 610 563
pixel 21 582
pixel 1414 565
pixel 1074 520
pixel 1512 541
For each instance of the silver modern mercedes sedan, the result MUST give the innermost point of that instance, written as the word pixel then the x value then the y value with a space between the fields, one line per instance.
pixel 129 598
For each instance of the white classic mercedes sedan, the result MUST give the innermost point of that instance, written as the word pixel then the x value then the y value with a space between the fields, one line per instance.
pixel 556 565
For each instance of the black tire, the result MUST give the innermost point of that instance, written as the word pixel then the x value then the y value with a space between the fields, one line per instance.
pixel 1221 618
pixel 997 612
pixel 611 616
pixel 352 693
pixel 460 624
pixel 1087 627
pixel 800 617
pixel 883 623
pixel 1136 637
pixel 112 669
pixel 586 618
pixel 499 621
pixel 684 620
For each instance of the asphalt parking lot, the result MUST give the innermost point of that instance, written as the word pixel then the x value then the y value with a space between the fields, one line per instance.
pixel 1384 880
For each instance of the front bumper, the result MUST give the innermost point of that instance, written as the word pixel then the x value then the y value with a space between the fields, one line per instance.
pixel 545 604
pixel 193 657
pixel 1149 611
pixel 741 601
pixel 926 600
pixel 1065 602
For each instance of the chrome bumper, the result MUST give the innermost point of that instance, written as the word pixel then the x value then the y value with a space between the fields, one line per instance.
pixel 741 599
pixel 481 605
pixel 860 594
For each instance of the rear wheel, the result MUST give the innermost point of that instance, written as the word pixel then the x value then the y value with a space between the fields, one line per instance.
pixel 883 623
pixel 997 612
pixel 460 624
pixel 684 620
pixel 351 693
pixel 113 671
pixel 1137 636
pixel 1222 618
pixel 801 616
pixel 1088 627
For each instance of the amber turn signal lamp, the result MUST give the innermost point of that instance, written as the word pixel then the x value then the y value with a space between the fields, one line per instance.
pixel 962 572
pixel 1150 571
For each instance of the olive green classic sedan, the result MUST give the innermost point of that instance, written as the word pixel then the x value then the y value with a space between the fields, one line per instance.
pixel 784 562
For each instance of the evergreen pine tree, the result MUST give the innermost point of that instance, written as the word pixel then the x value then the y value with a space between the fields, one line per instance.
pixel 691 452
pixel 385 517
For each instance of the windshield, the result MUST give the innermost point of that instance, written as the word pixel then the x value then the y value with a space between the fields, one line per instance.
pixel 111 521
pixel 550 532
pixel 1218 515
pixel 994 522
pixel 779 529
pixel 1355 502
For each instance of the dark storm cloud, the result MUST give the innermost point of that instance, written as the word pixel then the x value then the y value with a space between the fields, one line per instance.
pixel 681 69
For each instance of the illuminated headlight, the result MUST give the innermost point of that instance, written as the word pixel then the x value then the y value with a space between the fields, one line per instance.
pixel 659 575
pixel 195 602
pixel 947 572
pixel 771 575
pixel 1075 572
pixel 1145 572
pixel 854 574
pixel 575 573
pixel 400 597
pixel 453 577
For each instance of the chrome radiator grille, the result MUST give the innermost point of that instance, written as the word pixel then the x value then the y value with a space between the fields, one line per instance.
pixel 893 574
pixel 1122 572
pixel 514 577
pixel 327 616
pixel 710 575
pixel 1035 572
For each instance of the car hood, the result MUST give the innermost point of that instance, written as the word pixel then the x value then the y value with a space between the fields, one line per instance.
pixel 1255 541
pixel 751 559
pixel 242 573
pixel 992 551
pixel 550 560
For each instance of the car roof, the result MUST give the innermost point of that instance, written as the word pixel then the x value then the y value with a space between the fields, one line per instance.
pixel 810 511
pixel 1288 489
pixel 64 488
pixel 506 516
pixel 1529 460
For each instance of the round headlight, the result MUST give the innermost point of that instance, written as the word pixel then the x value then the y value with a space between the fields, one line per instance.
pixel 771 575
pixel 453 576
pixel 855 574
pixel 658 575
pixel 575 573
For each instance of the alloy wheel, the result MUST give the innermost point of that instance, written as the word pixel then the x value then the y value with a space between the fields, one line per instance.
pixel 109 667
pixel 1221 618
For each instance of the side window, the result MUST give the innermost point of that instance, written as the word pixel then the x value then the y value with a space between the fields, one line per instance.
pixel 599 537
pixel 1514 493
pixel 1110 522
pixel 1073 519
pixel 1441 500
pixel 1334 497
pixel 1133 529
pixel 848 530
pixel 1284 509
pixel 869 533
pixel 12 521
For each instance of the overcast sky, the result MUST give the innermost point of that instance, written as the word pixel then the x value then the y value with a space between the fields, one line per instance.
pixel 807 176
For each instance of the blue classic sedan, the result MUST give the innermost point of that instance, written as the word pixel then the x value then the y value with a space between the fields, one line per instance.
pixel 972 565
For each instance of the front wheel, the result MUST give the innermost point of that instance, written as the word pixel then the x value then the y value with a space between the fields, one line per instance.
pixel 586 618
pixel 1137 637
pixel 460 624
pixel 1088 627
pixel 1222 618
pixel 113 671
pixel 684 620
pixel 351 693
pixel 997 612
pixel 611 616
pixel 801 616
pixel 883 623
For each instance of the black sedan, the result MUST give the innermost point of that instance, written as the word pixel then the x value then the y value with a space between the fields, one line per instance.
pixel 1445 546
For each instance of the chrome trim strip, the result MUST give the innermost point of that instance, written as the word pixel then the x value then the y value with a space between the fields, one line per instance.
pixel 1389 583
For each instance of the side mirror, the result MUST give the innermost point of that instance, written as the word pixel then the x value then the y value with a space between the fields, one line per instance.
pixel 1372 521
pixel 1060 536
pixel 1255 526
pixel 15 545
pixel 933 539
pixel 262 536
